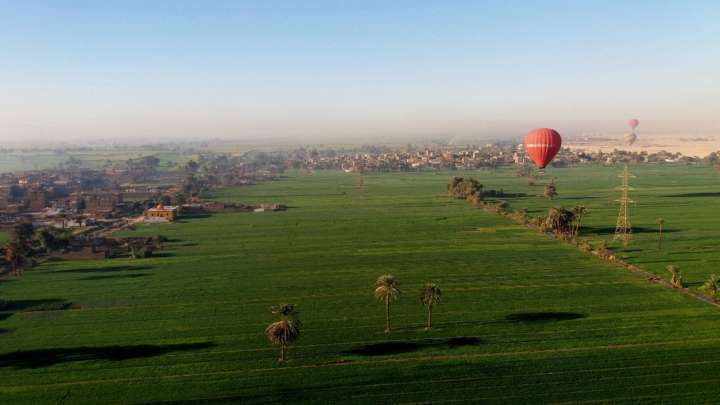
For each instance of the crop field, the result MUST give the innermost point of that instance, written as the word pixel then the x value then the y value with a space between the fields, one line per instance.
pixel 524 318
pixel 686 197
pixel 42 159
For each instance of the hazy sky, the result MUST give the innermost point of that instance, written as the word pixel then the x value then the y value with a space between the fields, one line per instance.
pixel 246 69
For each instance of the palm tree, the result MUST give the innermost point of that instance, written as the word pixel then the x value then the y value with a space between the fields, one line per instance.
pixel 550 190
pixel 560 221
pixel 284 331
pixel 387 291
pixel 580 211
pixel 661 223
pixel 63 217
pixel 676 277
pixel 16 257
pixel 553 220
pixel 712 286
pixel 135 249
pixel 430 295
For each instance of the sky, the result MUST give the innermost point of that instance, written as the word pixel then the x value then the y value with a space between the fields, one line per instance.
pixel 304 69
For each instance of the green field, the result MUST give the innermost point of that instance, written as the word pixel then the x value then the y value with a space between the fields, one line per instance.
pixel 524 317
pixel 687 197
pixel 95 159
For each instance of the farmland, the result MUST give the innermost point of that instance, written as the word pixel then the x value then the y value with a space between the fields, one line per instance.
pixel 686 197
pixel 11 161
pixel 523 318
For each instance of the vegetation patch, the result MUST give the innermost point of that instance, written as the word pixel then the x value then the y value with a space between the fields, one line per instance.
pixel 552 324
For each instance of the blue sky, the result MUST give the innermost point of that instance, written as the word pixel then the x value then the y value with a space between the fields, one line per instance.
pixel 307 69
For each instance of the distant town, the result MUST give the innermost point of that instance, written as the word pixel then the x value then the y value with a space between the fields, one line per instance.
pixel 373 158
pixel 120 193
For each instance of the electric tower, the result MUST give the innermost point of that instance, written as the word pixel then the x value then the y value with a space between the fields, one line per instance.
pixel 623 228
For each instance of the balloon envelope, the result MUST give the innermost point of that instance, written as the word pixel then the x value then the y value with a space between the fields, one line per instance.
pixel 633 123
pixel 542 144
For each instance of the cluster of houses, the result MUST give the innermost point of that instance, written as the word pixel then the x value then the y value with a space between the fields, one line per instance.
pixel 80 197
pixel 70 198
pixel 409 161
pixel 468 157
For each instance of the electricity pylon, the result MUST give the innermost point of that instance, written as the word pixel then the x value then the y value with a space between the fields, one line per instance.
pixel 623 228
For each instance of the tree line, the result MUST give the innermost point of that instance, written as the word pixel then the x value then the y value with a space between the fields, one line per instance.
pixel 27 243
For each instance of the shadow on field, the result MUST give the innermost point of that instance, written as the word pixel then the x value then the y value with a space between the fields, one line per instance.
pixel 114 276
pixel 180 242
pixel 693 284
pixel 507 195
pixel 194 216
pixel 386 348
pixel 4 331
pixel 50 304
pixel 635 229
pixel 163 254
pixel 577 198
pixel 543 316
pixel 49 357
pixel 691 195
pixel 9 307
pixel 113 269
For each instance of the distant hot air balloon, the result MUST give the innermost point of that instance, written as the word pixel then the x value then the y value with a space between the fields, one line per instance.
pixel 629 139
pixel 542 144
pixel 633 123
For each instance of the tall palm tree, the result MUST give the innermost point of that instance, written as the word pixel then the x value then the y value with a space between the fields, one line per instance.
pixel 661 224
pixel 430 295
pixel 675 276
pixel 284 331
pixel 712 286
pixel 387 291
pixel 580 211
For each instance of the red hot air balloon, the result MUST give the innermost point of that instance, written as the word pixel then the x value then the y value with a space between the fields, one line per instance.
pixel 542 144
pixel 633 123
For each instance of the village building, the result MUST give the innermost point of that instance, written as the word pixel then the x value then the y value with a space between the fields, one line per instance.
pixel 102 201
pixel 162 213
pixel 6 197
pixel 36 200
pixel 71 203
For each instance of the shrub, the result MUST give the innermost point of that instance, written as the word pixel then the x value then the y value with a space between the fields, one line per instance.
pixel 463 188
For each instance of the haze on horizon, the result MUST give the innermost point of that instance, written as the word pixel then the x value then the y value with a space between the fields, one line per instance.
pixel 321 69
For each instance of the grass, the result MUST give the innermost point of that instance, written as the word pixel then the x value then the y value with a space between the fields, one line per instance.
pixel 687 197
pixel 523 318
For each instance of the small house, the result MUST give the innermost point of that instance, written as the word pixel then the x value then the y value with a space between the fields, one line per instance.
pixel 161 213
